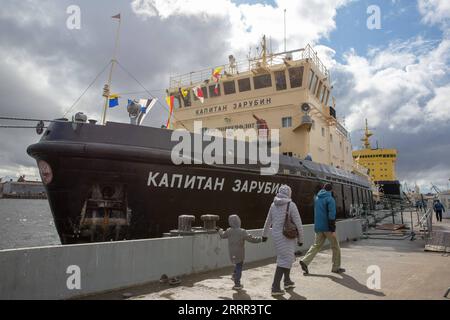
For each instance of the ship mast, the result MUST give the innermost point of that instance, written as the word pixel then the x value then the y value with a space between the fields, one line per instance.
pixel 367 135
pixel 107 87
pixel 264 52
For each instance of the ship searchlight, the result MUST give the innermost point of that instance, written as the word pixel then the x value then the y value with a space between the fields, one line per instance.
pixel 306 119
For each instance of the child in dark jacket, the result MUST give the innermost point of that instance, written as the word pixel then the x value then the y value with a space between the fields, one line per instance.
pixel 236 244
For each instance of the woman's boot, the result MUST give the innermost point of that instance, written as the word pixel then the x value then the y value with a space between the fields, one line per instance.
pixel 276 289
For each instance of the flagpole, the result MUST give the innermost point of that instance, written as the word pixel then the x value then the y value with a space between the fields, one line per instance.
pixel 106 90
pixel 285 49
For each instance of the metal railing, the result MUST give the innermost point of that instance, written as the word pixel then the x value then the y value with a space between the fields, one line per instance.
pixel 390 207
pixel 425 222
pixel 204 76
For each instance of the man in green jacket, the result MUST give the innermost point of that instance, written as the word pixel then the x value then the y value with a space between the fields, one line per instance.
pixel 325 228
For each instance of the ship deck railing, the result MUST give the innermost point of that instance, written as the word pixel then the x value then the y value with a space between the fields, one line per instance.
pixel 239 67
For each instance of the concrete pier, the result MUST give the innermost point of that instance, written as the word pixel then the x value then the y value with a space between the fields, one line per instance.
pixel 63 272
pixel 407 272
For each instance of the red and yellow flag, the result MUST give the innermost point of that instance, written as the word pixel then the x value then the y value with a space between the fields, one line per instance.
pixel 216 74
pixel 170 102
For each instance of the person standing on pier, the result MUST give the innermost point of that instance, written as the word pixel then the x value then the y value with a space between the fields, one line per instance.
pixel 438 208
pixel 285 248
pixel 325 228
pixel 236 244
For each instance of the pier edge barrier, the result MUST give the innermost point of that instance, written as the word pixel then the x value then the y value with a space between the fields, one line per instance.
pixel 63 272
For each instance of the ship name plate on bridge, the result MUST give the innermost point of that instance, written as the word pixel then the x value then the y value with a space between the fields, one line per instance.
pixel 236 106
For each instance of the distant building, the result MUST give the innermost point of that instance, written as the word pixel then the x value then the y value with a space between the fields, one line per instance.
pixel 23 189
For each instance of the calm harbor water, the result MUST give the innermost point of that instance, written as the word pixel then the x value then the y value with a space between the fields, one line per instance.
pixel 26 223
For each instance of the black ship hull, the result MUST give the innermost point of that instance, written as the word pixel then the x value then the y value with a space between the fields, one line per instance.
pixel 390 188
pixel 118 182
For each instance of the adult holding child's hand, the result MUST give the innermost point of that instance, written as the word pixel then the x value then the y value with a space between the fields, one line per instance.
pixel 283 208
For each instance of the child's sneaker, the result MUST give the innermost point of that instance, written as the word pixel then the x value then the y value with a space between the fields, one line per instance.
pixel 238 287
pixel 289 285
pixel 277 292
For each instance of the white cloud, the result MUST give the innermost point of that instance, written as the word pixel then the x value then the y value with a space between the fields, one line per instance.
pixel 397 81
pixel 40 78
pixel 307 21
pixel 435 11
pixel 28 12
pixel 437 175
pixel 438 108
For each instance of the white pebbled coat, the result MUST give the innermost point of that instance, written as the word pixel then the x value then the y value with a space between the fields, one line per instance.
pixel 285 248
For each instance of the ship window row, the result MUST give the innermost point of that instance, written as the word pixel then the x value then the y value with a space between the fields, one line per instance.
pixel 374 164
pixel 262 81
pixel 376 156
pixel 318 88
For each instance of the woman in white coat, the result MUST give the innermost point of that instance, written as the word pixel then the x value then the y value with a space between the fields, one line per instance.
pixel 285 248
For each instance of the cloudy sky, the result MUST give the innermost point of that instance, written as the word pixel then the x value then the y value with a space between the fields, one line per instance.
pixel 397 76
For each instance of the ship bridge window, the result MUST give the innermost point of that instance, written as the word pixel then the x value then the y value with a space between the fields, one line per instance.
pixel 205 94
pixel 262 81
pixel 286 122
pixel 229 87
pixel 296 77
pixel 311 79
pixel 319 91
pixel 214 91
pixel 314 84
pixel 332 112
pixel 244 85
pixel 324 93
pixel 328 97
pixel 280 78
